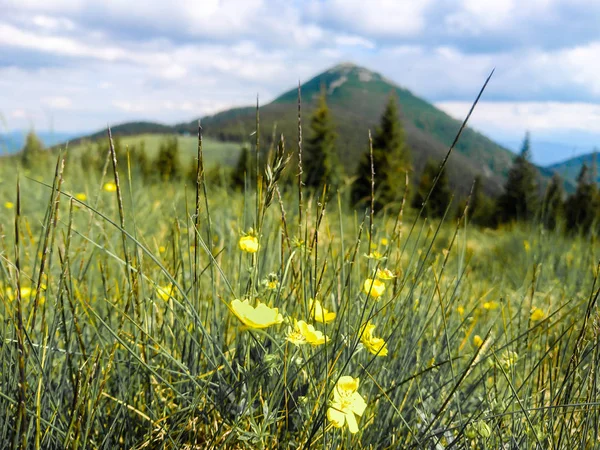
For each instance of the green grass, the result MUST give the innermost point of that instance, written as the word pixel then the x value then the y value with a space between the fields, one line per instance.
pixel 102 359
pixel 215 152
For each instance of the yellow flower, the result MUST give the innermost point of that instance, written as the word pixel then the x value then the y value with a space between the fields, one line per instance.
pixel 526 246
pixel 165 292
pixel 319 313
pixel 248 244
pixel 460 310
pixel 537 314
pixel 81 197
pixel 260 316
pixel 375 255
pixel 375 345
pixel 384 241
pixel 374 288
pixel 162 249
pixel 477 340
pixel 385 274
pixel 303 333
pixel 346 403
pixel 490 306
pixel 109 187
pixel 9 205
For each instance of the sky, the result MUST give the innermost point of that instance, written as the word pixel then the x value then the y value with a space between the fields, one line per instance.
pixel 76 65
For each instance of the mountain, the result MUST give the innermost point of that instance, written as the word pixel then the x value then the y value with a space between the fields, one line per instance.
pixel 570 168
pixel 357 97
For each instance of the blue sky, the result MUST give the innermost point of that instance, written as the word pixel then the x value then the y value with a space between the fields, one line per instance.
pixel 76 65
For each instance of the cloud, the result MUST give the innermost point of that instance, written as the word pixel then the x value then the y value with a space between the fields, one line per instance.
pixel 57 102
pixel 537 117
pixel 81 63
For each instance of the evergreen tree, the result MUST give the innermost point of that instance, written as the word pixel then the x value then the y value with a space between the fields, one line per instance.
pixel 553 206
pixel 580 209
pixel 520 198
pixel 32 151
pixel 167 165
pixel 481 207
pixel 441 195
pixel 321 165
pixel 391 159
pixel 244 170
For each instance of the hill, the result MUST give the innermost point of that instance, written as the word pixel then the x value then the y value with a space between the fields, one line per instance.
pixel 570 168
pixel 357 98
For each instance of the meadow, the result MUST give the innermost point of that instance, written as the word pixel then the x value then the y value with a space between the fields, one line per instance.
pixel 189 316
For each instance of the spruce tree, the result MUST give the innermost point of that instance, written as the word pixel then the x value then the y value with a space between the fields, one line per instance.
pixel 321 165
pixel 391 159
pixel 553 205
pixel 243 171
pixel 441 195
pixel 520 198
pixel 167 165
pixel 580 209
pixel 32 151
pixel 481 207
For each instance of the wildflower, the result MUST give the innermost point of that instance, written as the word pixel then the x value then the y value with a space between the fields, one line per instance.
pixel 490 306
pixel 248 244
pixel 460 310
pixel 374 288
pixel 81 197
pixel 346 403
pixel 260 316
pixel 375 255
pixel 375 345
pixel 271 282
pixel 319 313
pixel 162 249
pixel 303 333
pixel 526 246
pixel 508 359
pixel 477 340
pixel 385 274
pixel 165 292
pixel 537 314
pixel 384 241
pixel 9 205
pixel 109 187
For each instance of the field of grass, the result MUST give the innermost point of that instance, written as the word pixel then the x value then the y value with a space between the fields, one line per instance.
pixel 215 152
pixel 120 328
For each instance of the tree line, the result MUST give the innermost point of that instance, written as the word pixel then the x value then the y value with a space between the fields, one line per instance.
pixel 381 176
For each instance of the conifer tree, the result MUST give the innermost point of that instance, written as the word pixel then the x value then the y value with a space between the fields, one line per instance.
pixel 243 171
pixel 391 159
pixel 553 205
pixel 441 195
pixel 520 198
pixel 32 151
pixel 481 207
pixel 580 208
pixel 321 165
pixel 167 165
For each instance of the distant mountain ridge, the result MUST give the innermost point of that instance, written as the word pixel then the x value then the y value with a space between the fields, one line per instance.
pixel 356 97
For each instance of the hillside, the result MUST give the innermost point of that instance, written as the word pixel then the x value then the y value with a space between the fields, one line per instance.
pixel 570 168
pixel 357 98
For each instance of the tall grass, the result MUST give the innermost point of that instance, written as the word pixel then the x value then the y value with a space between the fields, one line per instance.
pixel 117 329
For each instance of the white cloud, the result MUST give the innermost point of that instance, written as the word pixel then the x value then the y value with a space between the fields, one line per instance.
pixel 57 102
pixel 534 116
pixel 376 17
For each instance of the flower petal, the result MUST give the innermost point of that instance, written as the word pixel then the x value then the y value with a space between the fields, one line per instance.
pixel 336 417
pixel 352 425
